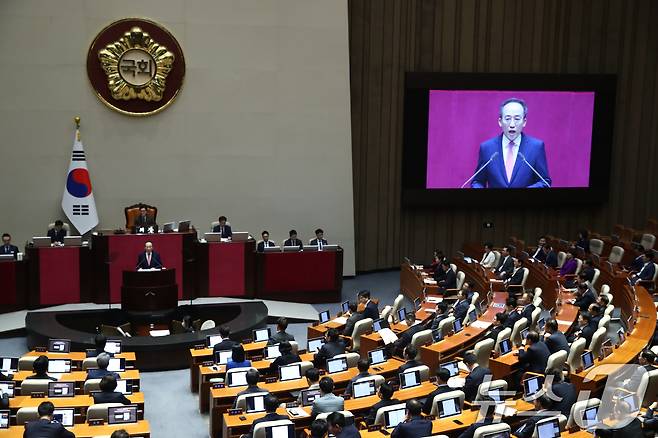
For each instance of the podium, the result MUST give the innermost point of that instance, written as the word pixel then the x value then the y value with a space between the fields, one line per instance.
pixel 149 291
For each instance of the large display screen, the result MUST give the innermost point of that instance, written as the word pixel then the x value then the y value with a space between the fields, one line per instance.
pixel 492 138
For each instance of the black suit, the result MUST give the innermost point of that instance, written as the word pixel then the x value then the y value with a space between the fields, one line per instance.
pixel 329 350
pixel 584 332
pixel 270 416
pixel 370 418
pixel 9 249
pixel 551 259
pixel 539 254
pixel 437 320
pixel 516 278
pixel 460 308
pixel 284 360
pixel 506 265
pixel 473 381
pixel 493 334
pixel 225 230
pixel 409 364
pixel 588 272
pixel 512 317
pixel 567 397
pixel 261 245
pixel 57 236
pixel 528 427
pixel 527 312
pixel 316 242
pixel 413 428
pixel 145 222
pixel 371 311
pixel 294 242
pixel 46 429
pixel 468 433
pixel 632 429
pixel 225 345
pixel 143 263
pixel 441 389
pixel 42 376
pixel 589 297
pixel 556 342
pixel 398 346
pixel 111 397
pixel 450 280
pixel 351 322
pixel 534 359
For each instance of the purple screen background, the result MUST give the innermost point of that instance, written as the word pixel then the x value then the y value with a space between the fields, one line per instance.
pixel 460 120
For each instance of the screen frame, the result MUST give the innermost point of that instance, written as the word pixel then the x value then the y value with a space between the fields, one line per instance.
pixel 415 132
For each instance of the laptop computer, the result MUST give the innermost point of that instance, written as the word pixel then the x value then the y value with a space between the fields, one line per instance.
pixel 532 386
pixel 379 324
pixel 590 417
pixel 402 314
pixel 363 389
pixel 588 359
pixel 377 356
pixel 184 226
pixel 324 316
pixel 449 407
pixel 336 365
pixel 222 357
pixel 168 227
pixel 237 379
pixel 117 364
pixel 452 366
pixel 212 237
pixel 290 372
pixel 291 248
pixel 409 379
pixel 72 240
pixel 261 335
pixel 272 351
pixel 457 326
pixel 113 346
pixel 61 389
pixel 65 416
pixel 275 248
pixel 394 417
pixel 59 345
pixel 548 428
pixel 282 431
pixel 7 388
pixel 255 403
pixel 505 346
pixel 329 247
pixel 211 340
pixel 41 241
pixel 8 364
pixel 4 419
pixel 240 236
pixel 314 345
pixel 59 366
pixel 122 414
pixel 124 386
pixel 345 306
pixel 309 396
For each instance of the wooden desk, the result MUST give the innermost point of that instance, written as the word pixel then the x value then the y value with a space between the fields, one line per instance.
pixel 142 429
pixel 411 282
pixel 80 376
pixel 77 357
pixel 318 331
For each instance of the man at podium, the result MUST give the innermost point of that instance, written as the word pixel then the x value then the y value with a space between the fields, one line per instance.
pixel 149 259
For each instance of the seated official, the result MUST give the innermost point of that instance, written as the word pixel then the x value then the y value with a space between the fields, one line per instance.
pixel 554 339
pixel 526 305
pixel 46 426
pixel 313 379
pixel 442 376
pixel 385 394
pixel 516 276
pixel 583 240
pixel 7 247
pixel 585 296
pixel 437 257
pixel 565 392
pixel 440 313
pixel 57 233
pixel 498 325
pixel 543 405
pixel 319 429
pixel 505 264
pixel 293 240
pixel 287 357
pixel 338 426
pixel 475 376
pixel 144 221
pixel 622 424
pixel 333 346
pixel 226 343
pixel 149 259
pixel 409 355
pixel 513 313
pixel 352 318
pixel 551 257
pixel 370 309
pixel 488 258
pixel 223 228
pixel 488 406
pixel 319 240
pixel 414 425
pixel 647 271
pixel 584 329
pixel 238 359
pixel 40 368
pixel 265 242
pixel 460 308
pixel 449 280
pixel 534 357
pixel 650 420
pixel 327 401
pixel 540 252
pixel 271 404
pixel 281 335
pixel 252 385
pixel 647 362
pixel 103 361
pixel 587 270
pixel 396 348
pixel 99 341
pixel 363 365
pixel 596 313
pixel 107 394
pixel 468 290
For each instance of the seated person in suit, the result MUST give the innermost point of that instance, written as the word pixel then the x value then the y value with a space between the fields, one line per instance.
pixel 603 301
pixel 468 290
pixel 144 221
pixel 584 329
pixel 252 385
pixel 313 378
pixel 223 228
pixel 370 307
pixel 498 325
pixel 565 392
pixel 505 265
pixel 352 318
pixel 327 402
pixel 414 425
pixel 338 426
pixel 646 360
pixel 440 314
pixel 226 343
pixel 488 409
pixel 449 280
pixel 647 271
pixel 551 257
pixel 293 240
pixel 281 335
pixel 588 270
pixel 475 376
pixel 319 240
pixel 271 404
pixel 7 247
pixel 107 394
pixel 238 359
pixel 57 233
pixel 437 257
pixel 596 313
pixel 624 423
pixel 265 242
pixel 554 338
pixel 333 345
pixel 409 354
pixel 460 308
pixel 319 429
pixel 385 395
pixel 488 258
pixel 40 368
pixel 540 252
pixel 583 240
pixel 46 426
pixel 516 276
pixel 525 303
pixel 585 296
pixel 542 404
pixel 103 361
pixel 99 341
pixel 149 259
pixel 287 357
pixel 650 420
pixel 513 313
pixel 363 365
pixel 442 376
pixel 404 339
pixel 534 357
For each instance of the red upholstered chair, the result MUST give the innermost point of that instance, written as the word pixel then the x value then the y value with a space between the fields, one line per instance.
pixel 133 211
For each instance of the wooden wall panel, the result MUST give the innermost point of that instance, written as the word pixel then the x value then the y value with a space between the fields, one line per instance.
pixel 390 37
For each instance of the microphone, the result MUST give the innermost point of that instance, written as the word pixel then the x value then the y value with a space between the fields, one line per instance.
pixel 533 169
pixel 480 169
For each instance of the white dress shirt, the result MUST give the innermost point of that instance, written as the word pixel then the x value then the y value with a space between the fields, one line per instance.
pixel 488 259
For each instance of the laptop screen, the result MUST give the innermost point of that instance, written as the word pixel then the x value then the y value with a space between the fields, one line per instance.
pixel 59 345
pixel 59 366
pixel 211 340
pixel 282 431
pixel 622 335
pixel 395 417
pixel 452 366
pixel 416 303
pixel 124 386
pixel 363 389
pixel 588 359
pixel 255 403
pixel 314 344
pixel 237 379
pixel 345 306
pixel 290 372
pixel 402 314
pixel 524 333
pixel 549 428
pixel 589 416
pixel 113 347
pixel 473 315
pixel 117 364
pixel 272 352
pixel 64 416
pixel 4 419
pixel 541 323
pixel 323 316
pixel 309 396
pixel 379 324
pixel 437 335
pixel 7 388
pixel 409 379
pixel 505 346
pixel 122 414
pixel 61 389
pixel 261 335
pixel 8 364
pixel 632 402
pixel 223 356
pixel 336 365
pixel 449 407
pixel 377 356
pixel 532 385
pixel 457 326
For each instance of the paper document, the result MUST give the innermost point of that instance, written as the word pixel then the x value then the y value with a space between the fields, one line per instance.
pixel 428 281
pixel 563 322
pixel 297 412
pixel 340 320
pixel 159 333
pixel 434 299
pixel 498 305
pixel 456 382
pixel 430 310
pixel 480 324
pixel 388 336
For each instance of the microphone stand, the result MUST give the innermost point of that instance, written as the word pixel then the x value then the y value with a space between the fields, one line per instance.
pixel 533 169
pixel 479 170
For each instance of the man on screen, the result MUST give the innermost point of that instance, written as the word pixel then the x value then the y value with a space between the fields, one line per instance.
pixel 512 160
pixel 149 259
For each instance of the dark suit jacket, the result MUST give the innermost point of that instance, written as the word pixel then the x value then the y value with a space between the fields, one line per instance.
pixel 441 389
pixel 296 242
pixel 329 350
pixel 450 280
pixel 647 271
pixel 284 360
pixel 506 264
pixel 460 309
pixel 588 272
pixel 351 322
pixel 585 332
pixel 473 381
pixel 96 373
pixel 226 344
pixel 556 342
pixel 370 418
pixel 226 233
pixel 279 337
pixel 512 317
pixel 527 312
pixel 261 245
pixel 11 249
pixel 315 242
pixel 56 236
pixel 534 359
pixel 142 263
pixel 349 431
pixel 539 254
pixel 409 364
pixel 494 175
pixel 371 311
pixel 585 300
pixel 111 397
pixel 348 388
pixel 414 428
pixel 516 278
pixel 437 320
pixel 398 346
pixel 493 334
pixel 632 429
pixel 42 376
pixel 468 433
pixel 144 222
pixel 270 416
pixel 551 259
pixel 567 397
pixel 46 429
pixel 528 427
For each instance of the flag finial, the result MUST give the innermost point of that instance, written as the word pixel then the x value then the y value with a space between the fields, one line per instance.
pixel 77 122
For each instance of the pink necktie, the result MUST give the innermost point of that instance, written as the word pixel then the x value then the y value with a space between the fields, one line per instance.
pixel 148 259
pixel 509 161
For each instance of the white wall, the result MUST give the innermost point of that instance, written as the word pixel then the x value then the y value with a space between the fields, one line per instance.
pixel 259 133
